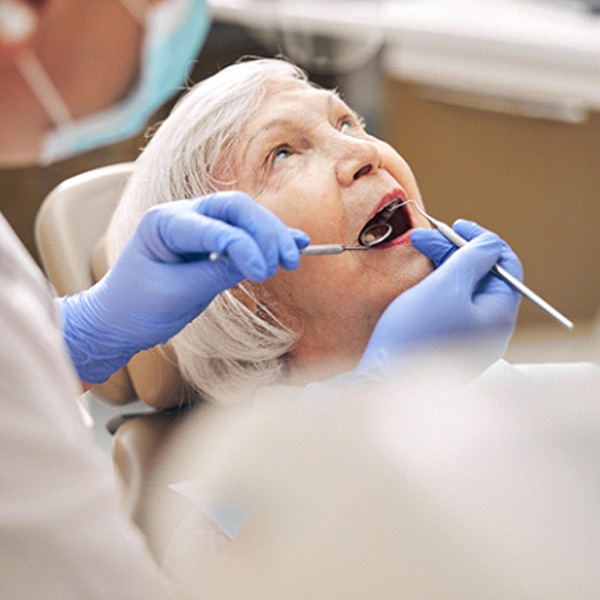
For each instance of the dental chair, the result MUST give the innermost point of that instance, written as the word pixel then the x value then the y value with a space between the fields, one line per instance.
pixel 69 230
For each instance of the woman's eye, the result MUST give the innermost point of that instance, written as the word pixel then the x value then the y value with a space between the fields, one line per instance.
pixel 280 153
pixel 346 124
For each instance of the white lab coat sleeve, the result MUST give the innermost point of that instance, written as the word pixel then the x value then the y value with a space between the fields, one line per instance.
pixel 63 534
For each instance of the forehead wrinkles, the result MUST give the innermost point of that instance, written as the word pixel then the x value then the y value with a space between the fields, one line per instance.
pixel 286 106
pixel 278 109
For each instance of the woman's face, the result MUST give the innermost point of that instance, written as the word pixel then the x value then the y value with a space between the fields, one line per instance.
pixel 307 157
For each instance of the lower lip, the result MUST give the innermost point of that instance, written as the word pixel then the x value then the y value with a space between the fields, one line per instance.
pixel 402 240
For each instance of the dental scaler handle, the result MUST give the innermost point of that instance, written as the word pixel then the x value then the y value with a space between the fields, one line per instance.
pixel 459 241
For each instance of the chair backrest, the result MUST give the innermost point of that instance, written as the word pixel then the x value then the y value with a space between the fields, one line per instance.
pixel 69 229
pixel 71 221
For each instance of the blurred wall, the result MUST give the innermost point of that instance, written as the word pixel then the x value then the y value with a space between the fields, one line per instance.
pixel 534 181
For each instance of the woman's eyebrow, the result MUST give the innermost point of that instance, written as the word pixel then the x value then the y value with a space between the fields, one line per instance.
pixel 335 102
pixel 277 123
pixel 264 131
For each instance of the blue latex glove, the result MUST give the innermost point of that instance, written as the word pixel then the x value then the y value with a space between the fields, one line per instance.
pixel 163 279
pixel 461 300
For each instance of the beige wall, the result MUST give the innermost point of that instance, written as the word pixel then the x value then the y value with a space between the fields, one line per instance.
pixel 534 181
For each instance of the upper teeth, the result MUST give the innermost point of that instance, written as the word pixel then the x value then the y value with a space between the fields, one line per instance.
pixel 389 209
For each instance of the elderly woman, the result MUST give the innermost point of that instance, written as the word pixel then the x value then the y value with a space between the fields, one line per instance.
pixel 261 128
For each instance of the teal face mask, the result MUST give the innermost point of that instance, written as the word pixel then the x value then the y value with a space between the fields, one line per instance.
pixel 174 32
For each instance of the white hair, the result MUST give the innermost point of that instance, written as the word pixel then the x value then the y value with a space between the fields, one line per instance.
pixel 228 348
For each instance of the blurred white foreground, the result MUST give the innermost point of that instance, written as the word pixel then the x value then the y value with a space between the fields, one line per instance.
pixel 426 487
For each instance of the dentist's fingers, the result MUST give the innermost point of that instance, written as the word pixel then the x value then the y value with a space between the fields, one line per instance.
pixel 468 229
pixel 472 264
pixel 175 233
pixel 277 243
pixel 248 234
pixel 476 259
pixel 439 249
pixel 508 259
pixel 291 260
pixel 433 244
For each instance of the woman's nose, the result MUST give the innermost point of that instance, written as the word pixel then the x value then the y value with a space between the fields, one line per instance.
pixel 358 158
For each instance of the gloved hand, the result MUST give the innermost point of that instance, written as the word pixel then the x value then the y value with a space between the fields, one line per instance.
pixel 460 301
pixel 164 278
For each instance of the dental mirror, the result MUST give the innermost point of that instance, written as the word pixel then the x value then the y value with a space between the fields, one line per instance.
pixel 374 234
pixel 380 228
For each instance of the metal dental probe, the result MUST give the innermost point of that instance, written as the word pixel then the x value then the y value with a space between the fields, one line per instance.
pixel 459 241
pixel 325 249
pixel 314 250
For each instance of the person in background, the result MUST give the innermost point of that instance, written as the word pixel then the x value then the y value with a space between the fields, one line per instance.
pixel 81 75
pixel 80 82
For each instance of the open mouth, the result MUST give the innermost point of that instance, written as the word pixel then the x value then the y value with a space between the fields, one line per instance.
pixel 392 221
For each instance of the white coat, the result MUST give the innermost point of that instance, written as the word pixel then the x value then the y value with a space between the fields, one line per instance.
pixel 63 535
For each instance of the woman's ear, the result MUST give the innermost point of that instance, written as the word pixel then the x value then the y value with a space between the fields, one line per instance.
pixel 18 25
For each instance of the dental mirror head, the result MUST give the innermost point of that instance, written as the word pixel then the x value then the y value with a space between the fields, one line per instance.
pixel 374 234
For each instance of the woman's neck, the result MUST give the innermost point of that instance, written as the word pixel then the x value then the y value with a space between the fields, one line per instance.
pixel 321 353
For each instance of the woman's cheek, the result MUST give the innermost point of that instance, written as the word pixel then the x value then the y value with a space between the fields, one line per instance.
pixel 400 170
